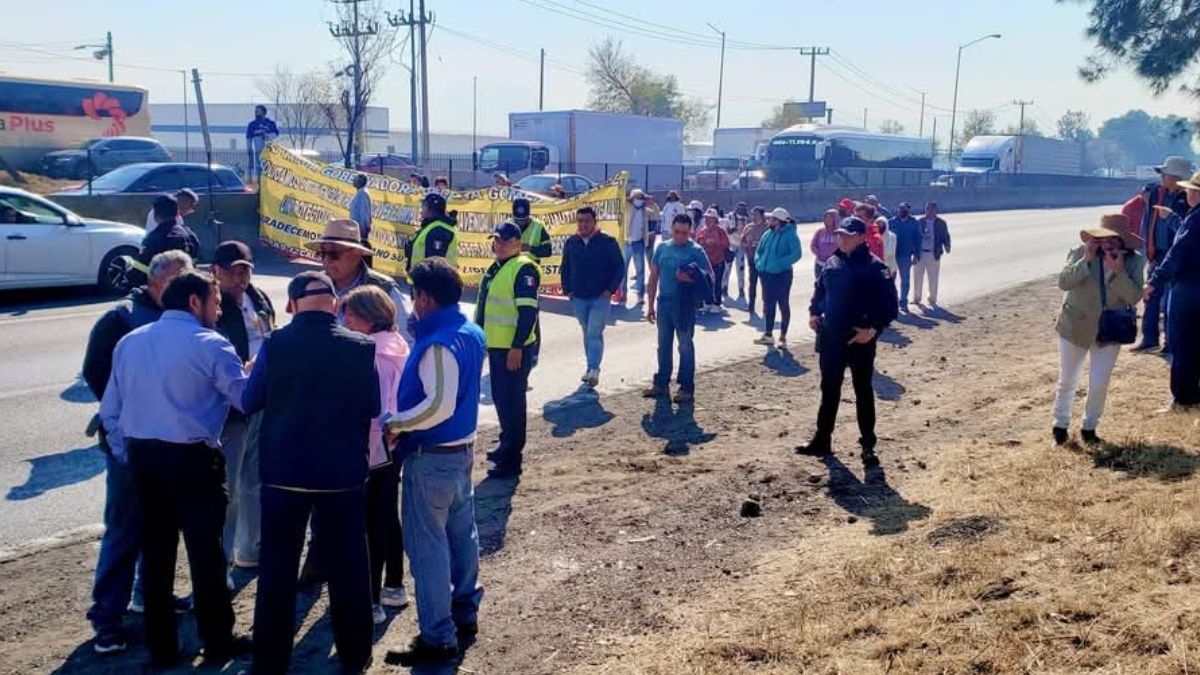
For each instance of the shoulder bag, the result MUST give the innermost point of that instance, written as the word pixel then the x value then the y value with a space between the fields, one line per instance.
pixel 1117 326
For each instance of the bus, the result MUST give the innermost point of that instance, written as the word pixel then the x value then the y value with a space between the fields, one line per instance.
pixel 38 115
pixel 808 152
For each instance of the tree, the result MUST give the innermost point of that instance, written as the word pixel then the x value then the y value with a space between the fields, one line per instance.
pixel 1144 139
pixel 1075 126
pixel 1105 154
pixel 620 84
pixel 297 103
pixel 976 123
pixel 1157 37
pixel 368 41
pixel 891 127
pixel 1030 128
pixel 784 115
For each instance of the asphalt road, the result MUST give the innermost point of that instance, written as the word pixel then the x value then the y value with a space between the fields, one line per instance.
pixel 51 475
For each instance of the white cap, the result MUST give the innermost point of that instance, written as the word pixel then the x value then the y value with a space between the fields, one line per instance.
pixel 779 213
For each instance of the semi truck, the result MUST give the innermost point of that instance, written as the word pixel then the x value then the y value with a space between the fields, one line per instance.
pixel 1021 154
pixel 740 142
pixel 585 142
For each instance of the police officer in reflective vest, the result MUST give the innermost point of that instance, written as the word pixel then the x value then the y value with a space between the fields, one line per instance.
pixel 535 240
pixel 507 310
pixel 438 234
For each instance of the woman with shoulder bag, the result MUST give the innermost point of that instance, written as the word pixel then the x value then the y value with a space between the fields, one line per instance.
pixel 1102 280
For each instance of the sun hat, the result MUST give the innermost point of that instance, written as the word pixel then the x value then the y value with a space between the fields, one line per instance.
pixel 636 192
pixel 696 205
pixel 1192 183
pixel 712 213
pixel 340 232
pixel 779 213
pixel 1175 166
pixel 1112 225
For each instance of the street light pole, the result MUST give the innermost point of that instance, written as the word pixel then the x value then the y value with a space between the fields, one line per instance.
pixel 954 105
pixel 721 75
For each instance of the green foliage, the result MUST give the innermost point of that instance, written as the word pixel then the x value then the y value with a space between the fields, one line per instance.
pixel 1075 126
pixel 1144 139
pixel 891 127
pixel 1158 38
pixel 620 84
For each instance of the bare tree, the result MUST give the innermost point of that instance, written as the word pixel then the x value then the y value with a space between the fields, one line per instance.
pixel 891 127
pixel 368 41
pixel 620 84
pixel 297 102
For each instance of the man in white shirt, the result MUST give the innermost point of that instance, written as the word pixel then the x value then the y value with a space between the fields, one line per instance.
pixel 187 200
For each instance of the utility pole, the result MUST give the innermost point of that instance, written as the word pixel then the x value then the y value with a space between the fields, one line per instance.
pixel 424 19
pixel 921 130
pixel 1021 125
pixel 813 53
pixel 355 111
pixel 933 139
pixel 186 131
pixel 396 21
pixel 829 116
pixel 542 82
pixel 720 73
pixel 864 118
pixel 474 112
pixel 211 219
pixel 105 52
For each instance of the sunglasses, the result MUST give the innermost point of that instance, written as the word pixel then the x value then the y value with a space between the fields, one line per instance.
pixel 329 255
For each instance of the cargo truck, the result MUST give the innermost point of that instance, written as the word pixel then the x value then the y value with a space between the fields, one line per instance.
pixel 1021 154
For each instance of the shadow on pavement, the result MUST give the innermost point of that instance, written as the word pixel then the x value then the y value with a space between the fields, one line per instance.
pixel 872 498
pixel 677 426
pixel 886 388
pixel 493 507
pixel 783 363
pixel 891 337
pixel 61 469
pixel 915 321
pixel 15 304
pixel 580 409
pixel 942 314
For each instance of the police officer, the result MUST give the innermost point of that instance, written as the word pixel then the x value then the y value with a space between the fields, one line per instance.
pixel 852 304
pixel 438 234
pixel 507 310
pixel 535 240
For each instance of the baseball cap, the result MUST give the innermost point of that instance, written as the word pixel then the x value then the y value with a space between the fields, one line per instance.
pixel 298 287
pixel 846 204
pixel 852 226
pixel 435 200
pixel 520 208
pixel 507 231
pixel 232 253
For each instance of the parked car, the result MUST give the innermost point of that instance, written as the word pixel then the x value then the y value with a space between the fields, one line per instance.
pixel 156 178
pixel 50 245
pixel 388 164
pixel 105 155
pixel 541 183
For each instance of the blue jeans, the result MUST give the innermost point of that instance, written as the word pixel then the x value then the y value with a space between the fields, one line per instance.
pixel 904 264
pixel 676 320
pixel 1155 310
pixel 437 507
pixel 593 316
pixel 637 251
pixel 118 570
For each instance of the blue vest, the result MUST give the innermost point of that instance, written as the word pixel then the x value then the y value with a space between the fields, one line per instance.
pixel 449 328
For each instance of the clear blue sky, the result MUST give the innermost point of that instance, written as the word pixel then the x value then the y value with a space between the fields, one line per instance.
pixel 884 51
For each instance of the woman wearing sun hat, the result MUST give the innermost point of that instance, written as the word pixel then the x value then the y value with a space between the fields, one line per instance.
pixel 1101 280
pixel 1181 271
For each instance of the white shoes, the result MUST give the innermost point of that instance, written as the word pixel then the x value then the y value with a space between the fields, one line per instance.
pixel 766 340
pixel 393 597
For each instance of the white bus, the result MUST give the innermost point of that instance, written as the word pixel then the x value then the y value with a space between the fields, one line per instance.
pixel 806 152
pixel 39 115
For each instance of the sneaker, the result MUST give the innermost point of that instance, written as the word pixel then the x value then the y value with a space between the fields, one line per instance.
pixel 244 563
pixel 1089 437
pixel 1144 347
pixel 766 340
pixel 815 448
pixel 109 643
pixel 466 630
pixel 684 396
pixel 394 596
pixel 782 343
pixel 182 605
pixel 654 392
pixel 421 653
pixel 378 616
pixel 592 378
pixel 869 459
pixel 584 378
pixel 1060 436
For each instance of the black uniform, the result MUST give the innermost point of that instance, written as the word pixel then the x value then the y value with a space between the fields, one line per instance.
pixel 175 236
pixel 853 291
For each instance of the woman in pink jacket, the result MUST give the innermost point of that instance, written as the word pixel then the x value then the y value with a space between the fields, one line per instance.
pixel 370 311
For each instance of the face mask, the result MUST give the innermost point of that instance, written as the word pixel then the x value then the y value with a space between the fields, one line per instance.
pixel 638 203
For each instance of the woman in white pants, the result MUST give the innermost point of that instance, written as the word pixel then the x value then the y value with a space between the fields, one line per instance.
pixel 1109 255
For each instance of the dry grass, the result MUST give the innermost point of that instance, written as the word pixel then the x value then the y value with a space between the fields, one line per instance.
pixel 1035 560
pixel 35 183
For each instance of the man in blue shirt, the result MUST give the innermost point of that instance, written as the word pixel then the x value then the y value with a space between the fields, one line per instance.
pixel 680 277
pixel 360 208
pixel 259 132
pixel 166 402
pixel 908 247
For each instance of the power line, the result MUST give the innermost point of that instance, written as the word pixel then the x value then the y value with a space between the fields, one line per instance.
pixel 130 66
pixel 733 44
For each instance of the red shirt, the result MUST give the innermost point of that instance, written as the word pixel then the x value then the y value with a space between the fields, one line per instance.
pixel 715 242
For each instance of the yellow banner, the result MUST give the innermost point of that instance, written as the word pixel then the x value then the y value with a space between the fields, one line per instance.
pixel 297 196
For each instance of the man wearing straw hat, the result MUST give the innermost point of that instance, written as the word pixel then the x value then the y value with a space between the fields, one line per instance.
pixel 1180 271
pixel 1154 214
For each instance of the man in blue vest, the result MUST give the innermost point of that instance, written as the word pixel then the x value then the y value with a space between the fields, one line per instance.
pixel 434 434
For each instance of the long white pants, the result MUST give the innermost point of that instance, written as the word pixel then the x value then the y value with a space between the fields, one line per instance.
pixel 927 265
pixel 1071 357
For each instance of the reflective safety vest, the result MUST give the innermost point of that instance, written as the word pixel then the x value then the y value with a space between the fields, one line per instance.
pixel 532 236
pixel 418 249
pixel 500 311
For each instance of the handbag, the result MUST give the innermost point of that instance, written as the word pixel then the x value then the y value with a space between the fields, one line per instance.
pixel 1117 326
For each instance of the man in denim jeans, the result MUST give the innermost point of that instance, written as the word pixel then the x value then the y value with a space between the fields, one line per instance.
pixel 438 405
pixel 592 269
pixel 680 277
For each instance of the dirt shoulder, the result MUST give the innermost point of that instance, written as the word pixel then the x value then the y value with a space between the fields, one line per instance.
pixel 975 547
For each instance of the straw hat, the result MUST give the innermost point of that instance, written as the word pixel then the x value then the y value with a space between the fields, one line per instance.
pixel 1112 225
pixel 340 232
pixel 1192 183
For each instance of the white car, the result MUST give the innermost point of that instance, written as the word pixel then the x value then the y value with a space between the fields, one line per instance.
pixel 48 245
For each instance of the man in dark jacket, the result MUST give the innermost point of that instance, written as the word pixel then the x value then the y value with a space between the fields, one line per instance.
pixel 116 584
pixel 593 267
pixel 1159 209
pixel 343 256
pixel 172 234
pixel 854 301
pixel 247 318
pixel 316 383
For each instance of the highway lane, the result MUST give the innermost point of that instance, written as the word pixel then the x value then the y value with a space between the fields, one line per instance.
pixel 51 476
